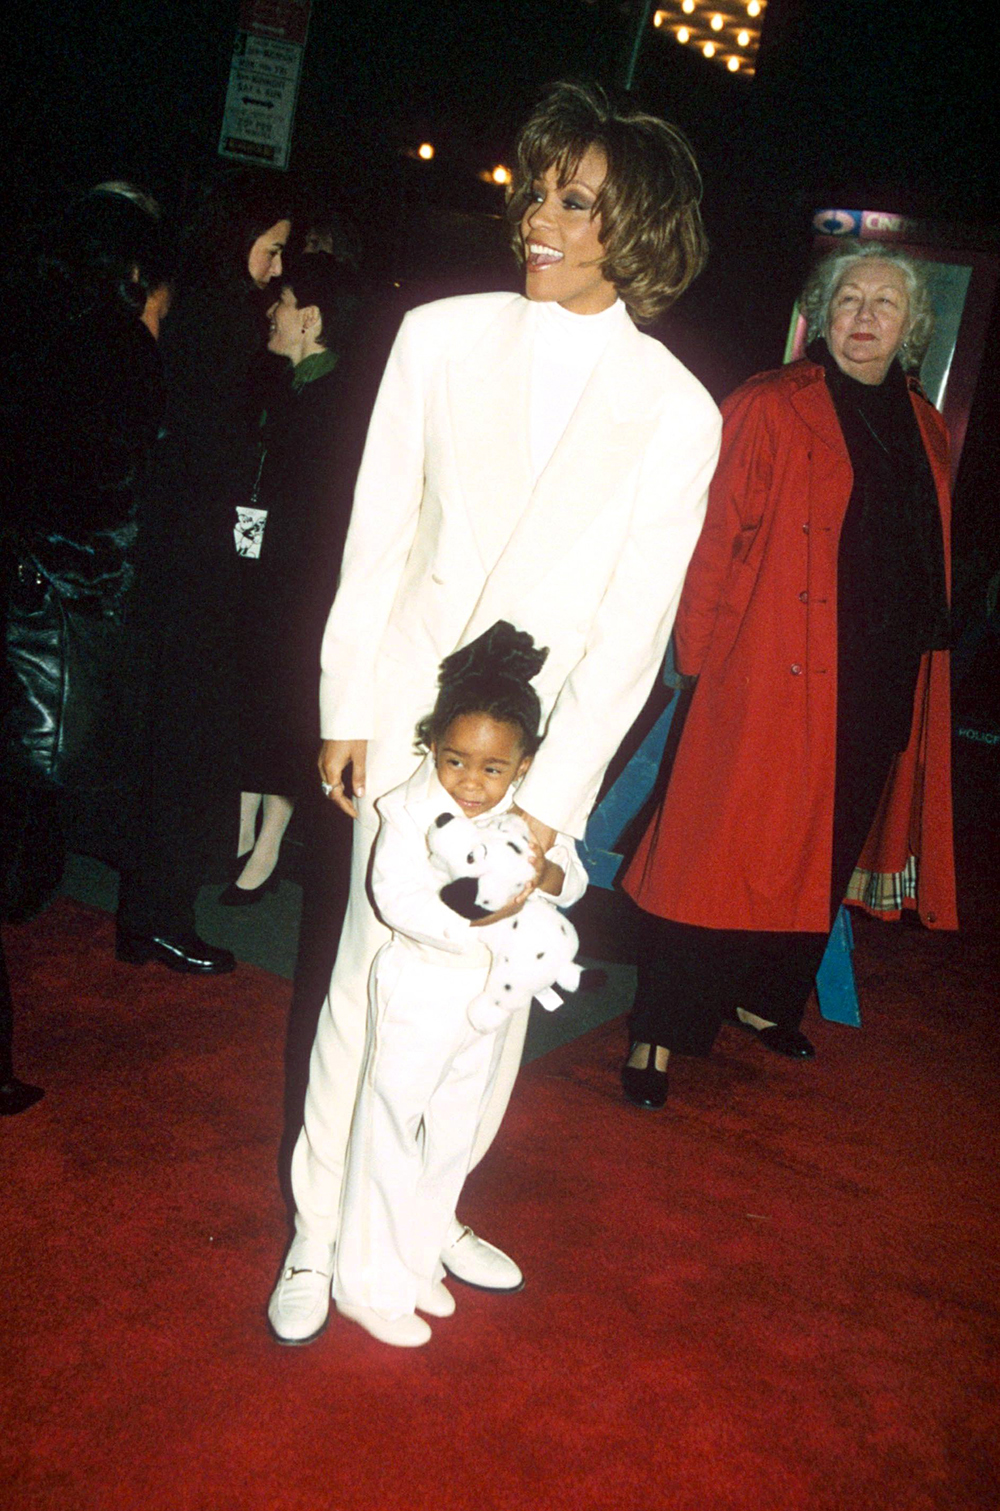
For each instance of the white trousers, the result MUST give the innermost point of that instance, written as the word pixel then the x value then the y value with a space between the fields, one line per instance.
pixel 335 1066
pixel 426 1075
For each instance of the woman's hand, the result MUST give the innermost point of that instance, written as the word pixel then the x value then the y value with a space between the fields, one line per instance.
pixel 334 758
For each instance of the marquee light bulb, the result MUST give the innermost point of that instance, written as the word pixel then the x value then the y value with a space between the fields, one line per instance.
pixel 716 23
pixel 501 175
pixel 687 6
pixel 425 151
pixel 709 49
pixel 743 38
pixel 659 18
pixel 733 64
pixel 753 9
pixel 683 35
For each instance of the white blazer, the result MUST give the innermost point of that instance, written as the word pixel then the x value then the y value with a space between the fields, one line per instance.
pixel 448 535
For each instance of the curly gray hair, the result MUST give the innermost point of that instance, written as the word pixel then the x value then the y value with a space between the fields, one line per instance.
pixel 828 274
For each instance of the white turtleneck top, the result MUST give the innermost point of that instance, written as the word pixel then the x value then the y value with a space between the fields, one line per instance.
pixel 565 351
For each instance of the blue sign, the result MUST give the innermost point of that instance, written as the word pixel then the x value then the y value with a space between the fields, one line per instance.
pixel 838 222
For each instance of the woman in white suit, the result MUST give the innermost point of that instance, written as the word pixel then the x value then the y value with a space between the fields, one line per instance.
pixel 531 459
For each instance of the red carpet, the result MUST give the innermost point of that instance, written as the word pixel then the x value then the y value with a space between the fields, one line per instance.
pixel 780 1295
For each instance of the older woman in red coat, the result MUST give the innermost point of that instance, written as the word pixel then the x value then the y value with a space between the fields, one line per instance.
pixel 815 758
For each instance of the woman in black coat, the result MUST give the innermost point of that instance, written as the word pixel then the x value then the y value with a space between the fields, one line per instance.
pixel 81 400
pixel 185 636
pixel 291 538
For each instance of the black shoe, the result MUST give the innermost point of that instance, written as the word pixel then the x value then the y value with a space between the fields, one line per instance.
pixel 645 1087
pixel 783 1041
pixel 236 865
pixel 181 952
pixel 238 897
pixel 17 1096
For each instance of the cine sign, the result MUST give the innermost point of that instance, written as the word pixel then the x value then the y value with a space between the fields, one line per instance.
pixel 264 81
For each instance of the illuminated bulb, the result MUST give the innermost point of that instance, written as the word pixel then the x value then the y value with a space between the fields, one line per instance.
pixel 687 6
pixel 659 18
pixel 716 23
pixel 743 38
pixel 501 175
pixel 733 64
pixel 709 49
pixel 753 9
pixel 683 35
pixel 426 151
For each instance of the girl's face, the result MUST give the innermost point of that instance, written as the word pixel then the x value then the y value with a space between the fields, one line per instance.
pixel 264 262
pixel 476 760
pixel 562 239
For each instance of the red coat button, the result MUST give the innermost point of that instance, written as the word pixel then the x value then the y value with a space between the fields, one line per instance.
pixel 795 670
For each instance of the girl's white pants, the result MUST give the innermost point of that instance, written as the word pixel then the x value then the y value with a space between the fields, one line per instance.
pixel 338 1051
pixel 426 1077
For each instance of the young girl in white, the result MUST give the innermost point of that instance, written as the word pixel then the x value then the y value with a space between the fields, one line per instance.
pixel 427 1072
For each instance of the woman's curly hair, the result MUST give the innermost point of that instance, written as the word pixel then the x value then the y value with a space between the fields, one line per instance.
pixel 651 229
pixel 490 676
pixel 831 270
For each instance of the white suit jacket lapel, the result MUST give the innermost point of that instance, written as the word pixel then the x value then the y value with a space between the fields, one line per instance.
pixel 488 406
pixel 602 443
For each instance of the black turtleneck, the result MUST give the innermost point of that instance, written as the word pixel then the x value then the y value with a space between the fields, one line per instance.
pixel 891 597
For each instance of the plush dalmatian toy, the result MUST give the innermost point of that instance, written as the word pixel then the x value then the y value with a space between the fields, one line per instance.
pixel 533 952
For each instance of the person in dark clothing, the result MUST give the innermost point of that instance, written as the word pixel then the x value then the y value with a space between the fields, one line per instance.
pixel 81 397
pixel 182 617
pixel 290 540
pixel 814 763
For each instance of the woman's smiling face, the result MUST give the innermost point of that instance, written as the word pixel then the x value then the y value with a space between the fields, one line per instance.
pixel 562 239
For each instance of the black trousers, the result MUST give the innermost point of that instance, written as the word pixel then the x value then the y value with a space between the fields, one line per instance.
pixel 691 978
pixel 6 1023
pixel 165 859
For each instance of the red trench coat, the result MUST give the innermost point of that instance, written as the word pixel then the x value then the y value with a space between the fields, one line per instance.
pixel 743 839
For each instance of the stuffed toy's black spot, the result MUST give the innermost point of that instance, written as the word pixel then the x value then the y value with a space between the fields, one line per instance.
pixel 460 896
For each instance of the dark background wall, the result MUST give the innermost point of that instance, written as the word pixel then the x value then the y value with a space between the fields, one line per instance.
pixel 883 105
pixel 878 105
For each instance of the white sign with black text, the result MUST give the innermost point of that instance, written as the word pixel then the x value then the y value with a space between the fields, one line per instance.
pixel 260 102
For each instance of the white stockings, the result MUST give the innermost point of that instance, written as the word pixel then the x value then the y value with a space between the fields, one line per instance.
pixel 262 855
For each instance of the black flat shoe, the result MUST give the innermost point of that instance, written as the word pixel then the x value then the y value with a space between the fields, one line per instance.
pixel 17 1096
pixel 180 952
pixel 782 1041
pixel 645 1087
pixel 239 897
pixel 236 865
